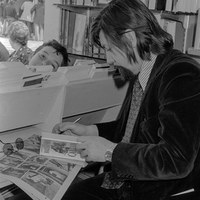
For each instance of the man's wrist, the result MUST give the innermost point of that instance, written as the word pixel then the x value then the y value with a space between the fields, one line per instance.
pixel 109 152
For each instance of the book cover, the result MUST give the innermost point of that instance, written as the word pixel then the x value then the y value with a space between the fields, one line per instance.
pixel 146 2
pixel 168 6
pixel 191 23
pixel 71 25
pixel 181 6
pixel 80 2
pixel 174 5
pixel 197 33
pixel 103 1
pixel 41 177
pixel 152 4
pixel 87 2
pixel 188 5
pixel 194 6
pixel 65 30
pixel 160 5
pixel 60 146
pixel 177 31
pixel 79 33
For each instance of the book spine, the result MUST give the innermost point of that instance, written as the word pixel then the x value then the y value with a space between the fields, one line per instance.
pixel 160 5
pixel 71 26
pixel 66 30
pixel 79 33
pixel 168 6
pixel 197 33
pixel 190 24
pixel 152 4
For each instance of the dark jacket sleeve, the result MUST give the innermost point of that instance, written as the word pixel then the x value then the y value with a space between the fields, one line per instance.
pixel 108 129
pixel 173 153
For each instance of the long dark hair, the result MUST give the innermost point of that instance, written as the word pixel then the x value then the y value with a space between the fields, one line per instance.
pixel 120 16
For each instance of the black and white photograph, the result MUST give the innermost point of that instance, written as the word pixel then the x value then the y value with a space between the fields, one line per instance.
pixel 100 99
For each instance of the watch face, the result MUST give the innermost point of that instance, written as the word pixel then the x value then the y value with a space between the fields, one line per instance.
pixel 108 155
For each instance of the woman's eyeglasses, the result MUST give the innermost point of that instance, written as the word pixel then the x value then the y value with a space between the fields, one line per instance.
pixel 9 148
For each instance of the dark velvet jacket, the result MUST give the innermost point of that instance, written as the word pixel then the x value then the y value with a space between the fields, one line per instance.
pixel 163 152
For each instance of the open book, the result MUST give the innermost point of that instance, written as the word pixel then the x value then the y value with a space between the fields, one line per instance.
pixel 41 177
pixel 60 146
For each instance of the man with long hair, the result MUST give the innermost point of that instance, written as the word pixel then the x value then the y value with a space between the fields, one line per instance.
pixel 153 147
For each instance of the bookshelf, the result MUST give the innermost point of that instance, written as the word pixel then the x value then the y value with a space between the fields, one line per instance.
pixel 75 29
pixel 182 28
pixel 178 17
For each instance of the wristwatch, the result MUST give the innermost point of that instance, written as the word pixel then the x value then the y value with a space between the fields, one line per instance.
pixel 109 152
pixel 108 155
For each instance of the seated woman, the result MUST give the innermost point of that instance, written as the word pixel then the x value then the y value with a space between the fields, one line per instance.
pixel 51 53
pixel 18 34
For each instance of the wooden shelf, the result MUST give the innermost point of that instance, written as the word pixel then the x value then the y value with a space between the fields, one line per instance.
pixel 187 20
pixel 73 58
pixel 90 12
pixel 65 6
pixel 81 9
pixel 194 52
pixel 179 16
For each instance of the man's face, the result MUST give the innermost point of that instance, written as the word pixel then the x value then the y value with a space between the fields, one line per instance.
pixel 47 56
pixel 116 56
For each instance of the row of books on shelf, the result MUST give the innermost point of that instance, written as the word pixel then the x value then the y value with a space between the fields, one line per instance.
pixel 182 36
pixel 197 33
pixel 186 6
pixel 77 35
pixel 78 41
pixel 185 30
pixel 87 2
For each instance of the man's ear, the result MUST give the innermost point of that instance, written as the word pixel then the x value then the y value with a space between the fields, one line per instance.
pixel 132 37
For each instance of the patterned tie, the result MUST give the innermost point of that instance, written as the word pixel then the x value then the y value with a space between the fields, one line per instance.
pixel 109 182
pixel 134 109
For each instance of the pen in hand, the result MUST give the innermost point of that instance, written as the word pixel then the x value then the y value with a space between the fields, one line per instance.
pixel 69 131
pixel 76 120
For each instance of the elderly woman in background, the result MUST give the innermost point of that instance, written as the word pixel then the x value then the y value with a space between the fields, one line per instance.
pixel 18 34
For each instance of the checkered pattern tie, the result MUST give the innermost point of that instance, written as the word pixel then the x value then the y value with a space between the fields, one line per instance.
pixel 134 109
pixel 108 182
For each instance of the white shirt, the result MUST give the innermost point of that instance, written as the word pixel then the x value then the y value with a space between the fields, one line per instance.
pixel 147 66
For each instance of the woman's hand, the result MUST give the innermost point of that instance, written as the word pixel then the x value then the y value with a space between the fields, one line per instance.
pixel 71 128
pixel 93 148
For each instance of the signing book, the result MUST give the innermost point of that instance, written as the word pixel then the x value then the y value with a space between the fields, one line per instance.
pixel 60 146
pixel 45 167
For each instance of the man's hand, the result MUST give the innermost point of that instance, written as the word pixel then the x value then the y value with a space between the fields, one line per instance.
pixel 93 148
pixel 71 128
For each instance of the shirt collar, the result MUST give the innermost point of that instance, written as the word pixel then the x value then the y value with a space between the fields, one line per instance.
pixel 145 71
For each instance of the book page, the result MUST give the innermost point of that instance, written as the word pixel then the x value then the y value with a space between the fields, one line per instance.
pixel 60 146
pixel 41 177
